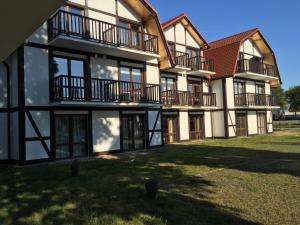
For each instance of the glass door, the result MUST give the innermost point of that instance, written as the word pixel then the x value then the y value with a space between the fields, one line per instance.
pixel 170 129
pixel 195 92
pixel 131 86
pixel 133 135
pixel 261 123
pixel 196 127
pixel 241 123
pixel 168 87
pixel 70 136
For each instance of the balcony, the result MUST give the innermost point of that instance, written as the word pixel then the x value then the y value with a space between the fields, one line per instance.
pixel 248 99
pixel 256 70
pixel 185 98
pixel 193 65
pixel 79 89
pixel 87 34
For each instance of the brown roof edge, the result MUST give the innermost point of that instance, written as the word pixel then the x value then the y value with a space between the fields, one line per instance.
pixel 176 19
pixel 150 7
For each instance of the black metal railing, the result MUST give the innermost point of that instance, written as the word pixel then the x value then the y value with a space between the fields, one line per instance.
pixel 82 27
pixel 195 63
pixel 249 99
pixel 72 88
pixel 187 98
pixel 248 65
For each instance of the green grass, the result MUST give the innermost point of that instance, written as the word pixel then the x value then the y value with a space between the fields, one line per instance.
pixel 287 125
pixel 253 180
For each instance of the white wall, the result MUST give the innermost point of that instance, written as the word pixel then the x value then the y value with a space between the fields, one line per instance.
pixel 157 136
pixel 218 124
pixel 269 120
pixel 230 92
pixel 152 75
pixel 267 88
pixel 252 122
pixel 14 134
pixel 250 48
pixel 126 12
pixel 36 74
pixel 218 90
pixel 3 86
pixel 231 123
pixel 182 83
pixel 106 131
pixel 207 122
pixel 35 150
pixel 40 35
pixel 3 137
pixel 184 126
pixel 13 63
pixel 104 68
pixel 42 120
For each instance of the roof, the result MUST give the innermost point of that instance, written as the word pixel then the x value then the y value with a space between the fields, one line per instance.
pixel 192 29
pixel 225 52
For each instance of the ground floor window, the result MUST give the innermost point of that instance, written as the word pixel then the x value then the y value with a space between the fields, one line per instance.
pixel 261 123
pixel 196 127
pixel 241 123
pixel 70 136
pixel 133 132
pixel 171 129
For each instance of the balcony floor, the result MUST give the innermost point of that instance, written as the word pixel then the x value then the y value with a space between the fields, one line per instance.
pixel 100 48
pixel 255 76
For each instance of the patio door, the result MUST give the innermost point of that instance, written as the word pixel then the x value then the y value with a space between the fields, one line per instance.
pixel 195 92
pixel 261 123
pixel 70 136
pixel 241 123
pixel 170 129
pixel 133 132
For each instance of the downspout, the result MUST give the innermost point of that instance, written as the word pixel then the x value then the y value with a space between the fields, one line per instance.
pixel 8 107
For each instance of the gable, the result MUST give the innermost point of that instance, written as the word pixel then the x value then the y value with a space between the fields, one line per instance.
pixel 127 12
pixel 250 49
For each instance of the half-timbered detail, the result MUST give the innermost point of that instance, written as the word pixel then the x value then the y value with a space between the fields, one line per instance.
pixel 87 82
pixel 105 78
pixel 247 66
pixel 186 87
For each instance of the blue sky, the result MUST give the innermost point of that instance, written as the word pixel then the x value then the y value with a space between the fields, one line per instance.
pixel 279 21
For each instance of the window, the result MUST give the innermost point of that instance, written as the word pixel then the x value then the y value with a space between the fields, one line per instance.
pixel 168 86
pixel 69 77
pixel 196 127
pixel 239 93
pixel 171 128
pixel 129 34
pixel 132 85
pixel 241 123
pixel 192 52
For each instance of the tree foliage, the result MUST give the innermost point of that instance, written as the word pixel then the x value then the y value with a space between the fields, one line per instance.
pixel 293 98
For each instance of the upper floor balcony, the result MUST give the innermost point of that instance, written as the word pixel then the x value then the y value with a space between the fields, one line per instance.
pixel 86 90
pixel 196 65
pixel 250 100
pixel 248 68
pixel 185 98
pixel 79 32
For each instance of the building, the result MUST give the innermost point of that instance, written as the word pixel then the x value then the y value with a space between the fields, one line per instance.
pixel 97 79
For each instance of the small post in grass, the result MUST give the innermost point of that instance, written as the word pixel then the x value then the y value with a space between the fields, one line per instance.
pixel 151 187
pixel 75 168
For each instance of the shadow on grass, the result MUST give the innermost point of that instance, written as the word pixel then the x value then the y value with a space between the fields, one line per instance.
pixel 110 191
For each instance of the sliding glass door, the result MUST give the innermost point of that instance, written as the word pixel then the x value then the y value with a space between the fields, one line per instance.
pixel 133 132
pixel 196 127
pixel 70 136
pixel 170 129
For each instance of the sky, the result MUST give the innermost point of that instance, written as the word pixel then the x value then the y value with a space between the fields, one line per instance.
pixel 278 20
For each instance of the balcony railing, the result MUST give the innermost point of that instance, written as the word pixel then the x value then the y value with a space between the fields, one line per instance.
pixel 185 98
pixel 71 88
pixel 195 63
pixel 246 65
pixel 248 99
pixel 85 28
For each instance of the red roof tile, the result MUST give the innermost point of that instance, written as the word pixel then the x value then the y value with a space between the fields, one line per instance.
pixel 225 53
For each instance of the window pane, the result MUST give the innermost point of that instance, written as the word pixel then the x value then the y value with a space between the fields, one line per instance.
pixel 125 74
pixel 163 84
pixel 60 66
pixel 136 75
pixel 170 83
pixel 77 68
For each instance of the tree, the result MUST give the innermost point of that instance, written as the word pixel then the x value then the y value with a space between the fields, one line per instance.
pixel 293 98
pixel 280 93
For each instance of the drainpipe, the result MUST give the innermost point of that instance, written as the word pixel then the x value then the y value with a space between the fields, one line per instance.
pixel 8 107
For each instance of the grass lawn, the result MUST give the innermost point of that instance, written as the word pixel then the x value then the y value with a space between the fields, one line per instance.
pixel 253 180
